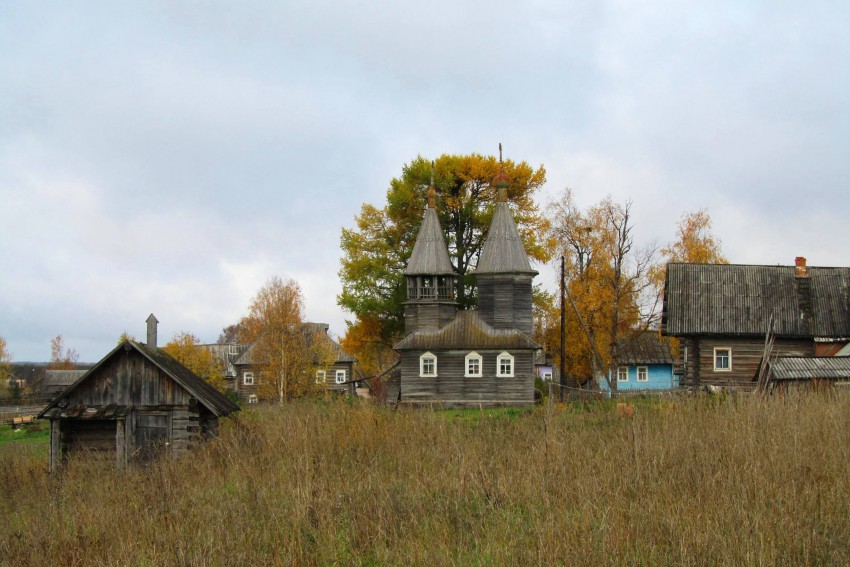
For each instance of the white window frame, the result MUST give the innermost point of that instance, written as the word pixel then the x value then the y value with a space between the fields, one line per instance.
pixel 473 356
pixel 622 374
pixel 645 371
pixel 340 376
pixel 728 350
pixel 546 376
pixel 232 349
pixel 321 376
pixel 252 399
pixel 422 359
pixel 248 378
pixel 505 356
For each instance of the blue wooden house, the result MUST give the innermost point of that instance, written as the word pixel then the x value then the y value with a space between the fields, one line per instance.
pixel 645 362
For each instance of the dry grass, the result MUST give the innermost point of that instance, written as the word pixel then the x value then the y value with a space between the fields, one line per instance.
pixel 705 482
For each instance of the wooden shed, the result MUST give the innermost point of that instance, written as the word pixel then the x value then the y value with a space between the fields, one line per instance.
pixel 135 403
pixel 805 373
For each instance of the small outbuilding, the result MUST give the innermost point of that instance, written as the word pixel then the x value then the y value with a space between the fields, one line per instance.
pixel 136 402
pixel 803 373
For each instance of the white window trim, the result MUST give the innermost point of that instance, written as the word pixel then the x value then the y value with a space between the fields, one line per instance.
pixel 622 370
pixel 469 357
pixel 340 376
pixel 252 399
pixel 727 349
pixel 248 378
pixel 546 377
pixel 422 359
pixel 504 356
pixel 321 377
pixel 645 370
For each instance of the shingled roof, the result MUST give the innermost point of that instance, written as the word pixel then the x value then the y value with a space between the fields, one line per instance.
pixel 430 254
pixel 200 389
pixel 503 252
pixel 645 347
pixel 468 331
pixel 738 300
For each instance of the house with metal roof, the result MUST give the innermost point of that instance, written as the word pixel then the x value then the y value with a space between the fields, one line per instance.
pixel 721 314
pixel 136 402
pixel 645 363
pixel 482 357
pixel 790 373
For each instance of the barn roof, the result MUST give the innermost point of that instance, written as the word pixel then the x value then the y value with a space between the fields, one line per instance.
pixel 430 254
pixel 503 252
pixel 738 299
pixel 466 332
pixel 645 347
pixel 809 368
pixel 206 395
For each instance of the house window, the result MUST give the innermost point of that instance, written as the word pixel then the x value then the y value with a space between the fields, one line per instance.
pixel 622 374
pixel 248 378
pixel 643 374
pixel 505 365
pixel 321 377
pixel 473 365
pixel 427 365
pixel 722 359
pixel 340 376
pixel 547 376
pixel 252 399
pixel 233 349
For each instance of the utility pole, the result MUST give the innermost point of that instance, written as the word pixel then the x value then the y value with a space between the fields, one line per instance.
pixel 562 367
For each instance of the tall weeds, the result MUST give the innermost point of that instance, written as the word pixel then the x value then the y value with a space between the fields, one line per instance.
pixel 688 482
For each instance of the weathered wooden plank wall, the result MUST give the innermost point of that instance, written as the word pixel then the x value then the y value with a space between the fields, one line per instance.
pixel 451 387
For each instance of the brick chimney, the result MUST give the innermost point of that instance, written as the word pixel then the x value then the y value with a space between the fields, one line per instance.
pixel 151 321
pixel 800 268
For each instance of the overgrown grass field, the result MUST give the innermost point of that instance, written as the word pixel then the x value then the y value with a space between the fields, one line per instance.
pixel 736 481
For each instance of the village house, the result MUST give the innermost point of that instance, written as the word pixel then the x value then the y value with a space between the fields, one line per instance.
pixel 721 314
pixel 338 377
pixel 135 403
pixel 644 363
pixel 482 357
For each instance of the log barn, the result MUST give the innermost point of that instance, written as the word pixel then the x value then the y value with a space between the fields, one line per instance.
pixel 132 405
pixel 722 312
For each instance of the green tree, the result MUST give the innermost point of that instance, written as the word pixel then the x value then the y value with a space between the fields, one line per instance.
pixel 376 251
pixel 185 348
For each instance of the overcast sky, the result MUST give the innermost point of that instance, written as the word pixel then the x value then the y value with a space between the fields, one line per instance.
pixel 170 157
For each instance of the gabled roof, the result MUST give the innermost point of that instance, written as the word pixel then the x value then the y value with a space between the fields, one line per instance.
pixel 809 368
pixel 206 395
pixel 645 347
pixel 61 378
pixel 503 252
pixel 466 332
pixel 738 299
pixel 310 330
pixel 430 254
